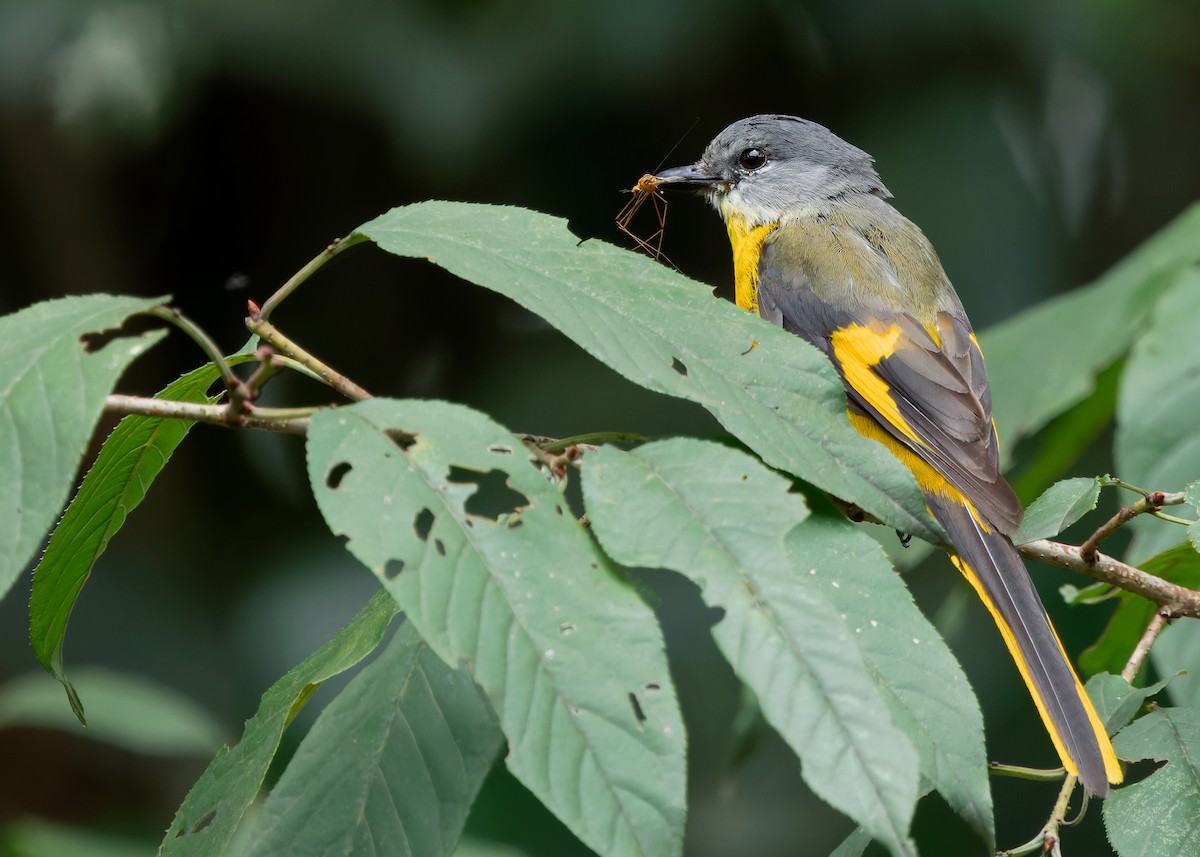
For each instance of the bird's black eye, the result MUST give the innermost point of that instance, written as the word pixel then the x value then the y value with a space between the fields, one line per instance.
pixel 752 158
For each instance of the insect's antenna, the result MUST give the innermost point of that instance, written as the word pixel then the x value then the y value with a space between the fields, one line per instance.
pixel 682 137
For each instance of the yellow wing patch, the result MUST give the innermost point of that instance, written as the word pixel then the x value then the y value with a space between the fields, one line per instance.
pixel 857 349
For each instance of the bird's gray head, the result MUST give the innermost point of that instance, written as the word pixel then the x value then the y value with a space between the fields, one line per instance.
pixel 772 168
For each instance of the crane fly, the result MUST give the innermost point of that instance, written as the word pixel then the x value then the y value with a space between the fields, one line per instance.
pixel 645 189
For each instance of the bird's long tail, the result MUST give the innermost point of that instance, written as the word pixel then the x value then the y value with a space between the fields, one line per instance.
pixel 992 565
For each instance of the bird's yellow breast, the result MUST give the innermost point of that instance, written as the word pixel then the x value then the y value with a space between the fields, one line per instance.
pixel 747 247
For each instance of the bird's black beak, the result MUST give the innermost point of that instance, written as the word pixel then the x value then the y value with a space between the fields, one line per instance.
pixel 693 176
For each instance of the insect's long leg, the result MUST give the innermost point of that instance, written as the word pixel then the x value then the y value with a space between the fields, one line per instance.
pixel 646 188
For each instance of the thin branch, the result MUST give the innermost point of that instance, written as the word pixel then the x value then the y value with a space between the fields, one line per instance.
pixel 1088 550
pixel 1174 599
pixel 1041 775
pixel 298 278
pixel 554 445
pixel 1151 503
pixel 285 420
pixel 269 333
pixel 1172 519
pixel 1046 841
pixel 1160 621
pixel 197 334
pixel 269 365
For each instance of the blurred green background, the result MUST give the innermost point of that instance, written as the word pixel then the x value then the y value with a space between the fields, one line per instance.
pixel 208 148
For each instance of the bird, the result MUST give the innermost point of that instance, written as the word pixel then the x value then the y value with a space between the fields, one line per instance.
pixel 820 251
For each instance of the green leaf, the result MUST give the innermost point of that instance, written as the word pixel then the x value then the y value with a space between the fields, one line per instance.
pixel 206 822
pixel 128 712
pixel 28 837
pixel 489 565
pixel 127 465
pixel 1174 652
pixel 1158 815
pixel 720 517
pixel 1095 594
pixel 1116 701
pixel 920 680
pixel 1157 445
pixel 1062 504
pixel 777 394
pixel 398 757
pixel 1044 360
pixel 471 847
pixel 853 845
pixel 1110 653
pixel 1192 494
pixel 1061 443
pixel 51 394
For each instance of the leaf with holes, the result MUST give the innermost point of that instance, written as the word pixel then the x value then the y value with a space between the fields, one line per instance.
pixel 777 394
pixel 128 463
pixel 211 812
pixel 397 757
pixel 815 622
pixel 484 557
pixel 55 379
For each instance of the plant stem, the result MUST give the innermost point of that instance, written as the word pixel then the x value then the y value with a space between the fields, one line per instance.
pixel 1124 515
pixel 1175 600
pixel 193 330
pixel 1046 840
pixel 1042 775
pixel 286 420
pixel 1159 621
pixel 1163 516
pixel 591 439
pixel 314 265
pixel 269 333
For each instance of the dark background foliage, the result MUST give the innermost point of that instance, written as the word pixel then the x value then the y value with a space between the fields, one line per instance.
pixel 208 149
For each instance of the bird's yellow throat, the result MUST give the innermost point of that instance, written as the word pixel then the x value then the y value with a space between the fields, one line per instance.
pixel 747 246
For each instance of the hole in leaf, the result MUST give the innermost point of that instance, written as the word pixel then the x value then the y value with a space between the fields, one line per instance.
pixel 423 523
pixel 679 366
pixel 558 509
pixel 637 708
pixel 500 450
pixel 205 821
pixel 492 497
pixel 441 547
pixel 402 439
pixel 652 685
pixel 336 474
pixel 392 569
pixel 97 339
